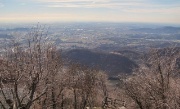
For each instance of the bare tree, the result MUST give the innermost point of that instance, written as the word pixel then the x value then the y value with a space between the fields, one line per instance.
pixel 86 86
pixel 154 85
pixel 25 72
pixel 33 76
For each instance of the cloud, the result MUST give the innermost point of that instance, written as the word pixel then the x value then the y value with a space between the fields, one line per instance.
pixel 1 5
pixel 93 5
pixel 90 3
pixel 72 0
pixel 163 10
pixel 23 4
pixel 113 4
pixel 98 10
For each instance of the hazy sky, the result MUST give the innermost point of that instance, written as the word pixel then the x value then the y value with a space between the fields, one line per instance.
pixel 162 11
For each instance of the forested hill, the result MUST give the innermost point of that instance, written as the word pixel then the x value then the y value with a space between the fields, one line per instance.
pixel 113 64
pixel 162 30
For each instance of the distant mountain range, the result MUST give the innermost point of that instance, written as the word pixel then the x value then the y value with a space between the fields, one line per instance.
pixel 166 29
pixel 113 64
pixel 6 36
pixel 16 29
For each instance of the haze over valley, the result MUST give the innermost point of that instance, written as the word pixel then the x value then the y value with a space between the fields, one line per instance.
pixel 113 44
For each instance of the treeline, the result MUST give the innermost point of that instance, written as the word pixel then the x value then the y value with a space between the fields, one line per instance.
pixel 34 76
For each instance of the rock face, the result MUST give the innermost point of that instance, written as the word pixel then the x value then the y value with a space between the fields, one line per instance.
pixel 113 64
